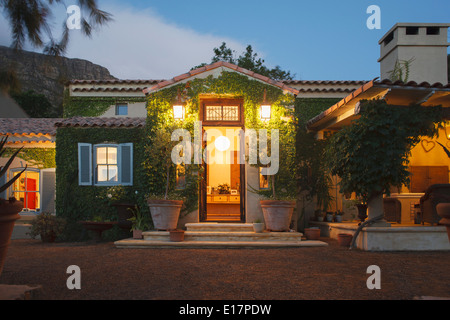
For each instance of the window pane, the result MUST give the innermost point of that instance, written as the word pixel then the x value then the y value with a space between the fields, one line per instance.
pixel 122 109
pixel 102 173
pixel 113 174
pixel 101 155
pixel 112 155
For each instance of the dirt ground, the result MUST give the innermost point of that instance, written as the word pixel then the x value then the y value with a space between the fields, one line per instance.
pixel 312 273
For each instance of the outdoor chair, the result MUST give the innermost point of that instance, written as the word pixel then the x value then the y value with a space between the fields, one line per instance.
pixel 392 210
pixel 435 194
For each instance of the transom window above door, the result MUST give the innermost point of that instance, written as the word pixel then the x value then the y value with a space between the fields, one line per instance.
pixel 222 112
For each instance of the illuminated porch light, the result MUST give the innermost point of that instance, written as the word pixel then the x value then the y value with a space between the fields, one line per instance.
pixel 178 112
pixel 178 108
pixel 266 109
pixel 266 112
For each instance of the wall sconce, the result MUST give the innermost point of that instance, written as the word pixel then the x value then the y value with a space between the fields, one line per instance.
pixel 178 109
pixel 178 112
pixel 266 109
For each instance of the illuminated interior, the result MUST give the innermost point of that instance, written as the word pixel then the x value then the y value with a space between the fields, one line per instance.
pixel 26 189
pixel 223 172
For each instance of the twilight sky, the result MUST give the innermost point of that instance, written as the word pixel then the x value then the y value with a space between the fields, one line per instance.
pixel 315 40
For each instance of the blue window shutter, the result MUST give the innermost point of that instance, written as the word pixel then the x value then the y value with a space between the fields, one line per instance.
pixel 84 164
pixel 126 164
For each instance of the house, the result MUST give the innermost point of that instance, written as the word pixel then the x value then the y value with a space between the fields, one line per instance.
pixel 103 143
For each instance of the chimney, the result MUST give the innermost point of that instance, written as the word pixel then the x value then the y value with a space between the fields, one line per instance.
pixel 415 52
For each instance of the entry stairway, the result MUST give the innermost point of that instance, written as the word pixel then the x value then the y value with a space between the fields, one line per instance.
pixel 220 235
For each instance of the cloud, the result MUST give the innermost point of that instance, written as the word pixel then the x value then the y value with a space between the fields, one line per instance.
pixel 142 45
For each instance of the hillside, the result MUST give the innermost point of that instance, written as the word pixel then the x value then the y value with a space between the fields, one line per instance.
pixel 47 74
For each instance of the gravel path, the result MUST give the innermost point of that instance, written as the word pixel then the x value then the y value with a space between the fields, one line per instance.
pixel 321 273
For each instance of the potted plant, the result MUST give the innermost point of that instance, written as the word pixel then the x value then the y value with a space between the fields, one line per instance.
pixel 138 222
pixel 97 225
pixel 338 216
pixel 258 226
pixel 47 226
pixel 329 215
pixel 280 198
pixel 117 196
pixel 319 215
pixel 223 188
pixel 9 209
pixel 164 208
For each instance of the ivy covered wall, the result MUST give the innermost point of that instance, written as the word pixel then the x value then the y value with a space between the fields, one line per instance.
pixel 92 106
pixel 76 203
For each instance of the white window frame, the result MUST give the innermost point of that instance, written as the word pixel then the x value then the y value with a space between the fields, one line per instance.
pixel 95 164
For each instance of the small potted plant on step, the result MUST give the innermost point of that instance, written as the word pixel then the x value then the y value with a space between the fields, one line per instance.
pixel 258 226
pixel 138 222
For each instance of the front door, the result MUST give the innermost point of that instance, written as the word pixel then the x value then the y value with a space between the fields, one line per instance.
pixel 222 187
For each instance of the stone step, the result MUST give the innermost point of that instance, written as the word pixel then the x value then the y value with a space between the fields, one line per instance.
pixel 150 244
pixel 221 236
pixel 220 227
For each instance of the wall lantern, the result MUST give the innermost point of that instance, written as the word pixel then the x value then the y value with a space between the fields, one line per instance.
pixel 178 109
pixel 266 109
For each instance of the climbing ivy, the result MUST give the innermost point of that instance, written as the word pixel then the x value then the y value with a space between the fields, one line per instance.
pixel 76 203
pixel 42 158
pixel 92 106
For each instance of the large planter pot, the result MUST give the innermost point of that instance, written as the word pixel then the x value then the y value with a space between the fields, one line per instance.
pixel 124 214
pixel 97 228
pixel 9 213
pixel 165 213
pixel 344 239
pixel 443 210
pixel 312 233
pixel 277 214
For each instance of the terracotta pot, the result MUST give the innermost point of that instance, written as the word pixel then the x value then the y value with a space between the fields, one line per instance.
pixel 443 210
pixel 258 227
pixel 9 213
pixel 277 214
pixel 312 233
pixel 97 228
pixel 165 213
pixel 344 239
pixel 176 235
pixel 137 234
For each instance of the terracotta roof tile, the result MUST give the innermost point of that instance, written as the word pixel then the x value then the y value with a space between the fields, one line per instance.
pixel 219 64
pixel 28 126
pixel 107 122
